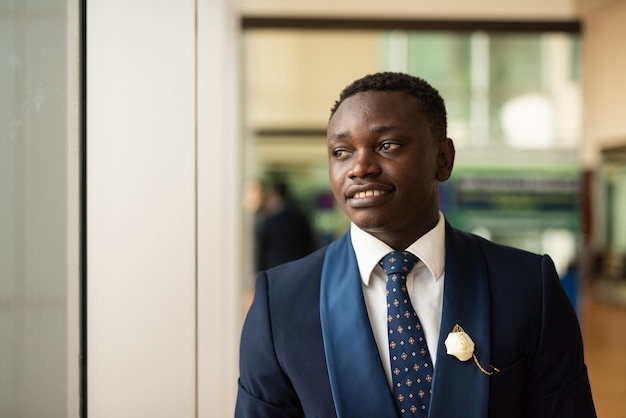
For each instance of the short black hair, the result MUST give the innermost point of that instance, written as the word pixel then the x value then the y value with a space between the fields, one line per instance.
pixel 428 98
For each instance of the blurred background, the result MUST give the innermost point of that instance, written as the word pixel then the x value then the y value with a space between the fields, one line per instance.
pixel 514 111
pixel 147 148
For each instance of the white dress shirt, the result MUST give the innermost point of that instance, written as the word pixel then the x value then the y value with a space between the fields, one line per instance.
pixel 424 284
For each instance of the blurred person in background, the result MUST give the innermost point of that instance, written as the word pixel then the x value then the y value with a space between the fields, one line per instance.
pixel 283 231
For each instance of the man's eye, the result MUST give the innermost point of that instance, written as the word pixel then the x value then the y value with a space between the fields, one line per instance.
pixel 388 146
pixel 340 153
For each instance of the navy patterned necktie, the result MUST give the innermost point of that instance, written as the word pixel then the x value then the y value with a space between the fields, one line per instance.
pixel 411 368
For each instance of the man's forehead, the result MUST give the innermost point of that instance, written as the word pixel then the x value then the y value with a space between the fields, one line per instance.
pixel 376 108
pixel 344 131
pixel 375 99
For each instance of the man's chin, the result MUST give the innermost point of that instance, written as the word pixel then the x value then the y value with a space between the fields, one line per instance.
pixel 369 225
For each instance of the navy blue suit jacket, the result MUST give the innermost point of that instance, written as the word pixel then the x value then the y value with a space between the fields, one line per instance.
pixel 298 358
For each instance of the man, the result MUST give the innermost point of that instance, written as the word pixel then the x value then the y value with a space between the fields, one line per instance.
pixel 490 331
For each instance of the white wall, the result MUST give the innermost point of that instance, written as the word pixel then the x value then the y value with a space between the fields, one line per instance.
pixel 603 70
pixel 163 306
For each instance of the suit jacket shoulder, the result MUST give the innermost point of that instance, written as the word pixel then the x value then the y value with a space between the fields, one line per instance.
pixel 282 363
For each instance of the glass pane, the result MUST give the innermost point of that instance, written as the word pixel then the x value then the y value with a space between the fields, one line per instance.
pixel 444 60
pixel 511 90
pixel 34 194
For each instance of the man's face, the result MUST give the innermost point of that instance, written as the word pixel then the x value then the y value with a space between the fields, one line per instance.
pixel 385 166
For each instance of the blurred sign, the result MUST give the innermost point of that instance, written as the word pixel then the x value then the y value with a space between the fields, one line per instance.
pixel 517 194
pixel 512 200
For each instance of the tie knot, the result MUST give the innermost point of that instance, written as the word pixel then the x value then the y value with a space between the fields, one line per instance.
pixel 399 262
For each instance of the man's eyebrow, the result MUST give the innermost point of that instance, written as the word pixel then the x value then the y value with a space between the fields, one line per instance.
pixel 373 129
pixel 339 135
pixel 383 128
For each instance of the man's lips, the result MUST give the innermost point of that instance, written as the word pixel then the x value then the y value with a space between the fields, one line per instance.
pixel 367 190
pixel 367 193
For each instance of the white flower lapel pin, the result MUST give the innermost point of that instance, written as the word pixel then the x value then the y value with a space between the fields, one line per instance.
pixel 460 345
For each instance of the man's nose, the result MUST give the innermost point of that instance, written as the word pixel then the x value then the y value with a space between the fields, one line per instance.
pixel 364 164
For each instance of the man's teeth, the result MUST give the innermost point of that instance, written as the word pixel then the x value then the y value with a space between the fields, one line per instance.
pixel 368 193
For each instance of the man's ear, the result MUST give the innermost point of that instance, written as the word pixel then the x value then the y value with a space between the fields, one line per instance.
pixel 445 159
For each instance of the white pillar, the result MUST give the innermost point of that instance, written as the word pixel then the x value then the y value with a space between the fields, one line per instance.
pixel 141 208
pixel 220 269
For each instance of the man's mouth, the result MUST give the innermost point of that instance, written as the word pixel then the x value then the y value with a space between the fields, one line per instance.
pixel 368 193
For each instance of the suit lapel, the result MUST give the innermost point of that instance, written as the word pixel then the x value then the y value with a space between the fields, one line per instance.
pixel 459 384
pixel 357 378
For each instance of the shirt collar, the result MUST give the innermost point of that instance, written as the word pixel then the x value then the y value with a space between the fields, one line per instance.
pixel 430 248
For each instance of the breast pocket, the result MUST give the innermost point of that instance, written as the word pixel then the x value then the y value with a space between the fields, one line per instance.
pixel 506 389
